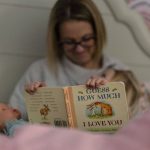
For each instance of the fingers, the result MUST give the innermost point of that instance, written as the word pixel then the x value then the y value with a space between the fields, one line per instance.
pixel 96 81
pixel 32 88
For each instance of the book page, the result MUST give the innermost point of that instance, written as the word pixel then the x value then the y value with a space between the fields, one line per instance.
pixel 47 106
pixel 100 109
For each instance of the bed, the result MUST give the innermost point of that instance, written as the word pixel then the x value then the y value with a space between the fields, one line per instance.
pixel 23 27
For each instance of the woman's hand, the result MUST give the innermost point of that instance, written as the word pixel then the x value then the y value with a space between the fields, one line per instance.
pixel 96 81
pixel 32 88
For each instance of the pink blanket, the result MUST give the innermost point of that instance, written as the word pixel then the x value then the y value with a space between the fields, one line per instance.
pixel 135 136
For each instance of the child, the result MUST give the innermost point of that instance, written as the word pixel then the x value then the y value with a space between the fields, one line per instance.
pixel 10 119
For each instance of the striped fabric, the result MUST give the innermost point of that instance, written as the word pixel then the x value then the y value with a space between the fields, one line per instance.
pixel 143 7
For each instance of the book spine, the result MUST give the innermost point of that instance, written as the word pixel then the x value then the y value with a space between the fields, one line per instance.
pixel 69 107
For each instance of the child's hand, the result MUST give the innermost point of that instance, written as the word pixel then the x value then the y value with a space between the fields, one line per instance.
pixel 96 81
pixel 31 88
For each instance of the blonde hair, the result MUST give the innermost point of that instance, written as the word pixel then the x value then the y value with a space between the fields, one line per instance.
pixel 65 10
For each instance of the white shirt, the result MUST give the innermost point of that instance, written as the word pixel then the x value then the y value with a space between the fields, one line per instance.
pixel 68 74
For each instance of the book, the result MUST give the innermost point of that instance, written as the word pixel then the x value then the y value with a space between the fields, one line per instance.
pixel 102 109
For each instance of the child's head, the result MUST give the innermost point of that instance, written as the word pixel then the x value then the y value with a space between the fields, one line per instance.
pixel 7 113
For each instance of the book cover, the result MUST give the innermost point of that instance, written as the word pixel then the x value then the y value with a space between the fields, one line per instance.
pixel 103 109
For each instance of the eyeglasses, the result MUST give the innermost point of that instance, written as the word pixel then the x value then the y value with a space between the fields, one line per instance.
pixel 86 41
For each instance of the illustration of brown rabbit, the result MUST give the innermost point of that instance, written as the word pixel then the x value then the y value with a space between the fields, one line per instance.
pixel 44 111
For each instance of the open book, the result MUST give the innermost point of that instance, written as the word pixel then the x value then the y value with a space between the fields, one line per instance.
pixel 102 109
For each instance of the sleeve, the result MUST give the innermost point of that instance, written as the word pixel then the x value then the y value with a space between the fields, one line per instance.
pixel 13 125
pixel 16 100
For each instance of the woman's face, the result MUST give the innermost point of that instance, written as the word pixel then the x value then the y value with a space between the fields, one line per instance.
pixel 78 42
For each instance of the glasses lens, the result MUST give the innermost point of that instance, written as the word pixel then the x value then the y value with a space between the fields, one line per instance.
pixel 87 41
pixel 68 44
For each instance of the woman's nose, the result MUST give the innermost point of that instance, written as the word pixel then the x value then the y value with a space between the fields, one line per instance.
pixel 79 48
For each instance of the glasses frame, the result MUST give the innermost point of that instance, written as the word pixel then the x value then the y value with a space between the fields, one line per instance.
pixel 75 43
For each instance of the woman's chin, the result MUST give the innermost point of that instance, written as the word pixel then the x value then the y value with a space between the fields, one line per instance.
pixel 85 63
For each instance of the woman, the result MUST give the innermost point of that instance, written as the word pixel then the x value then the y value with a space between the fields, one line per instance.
pixel 76 37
